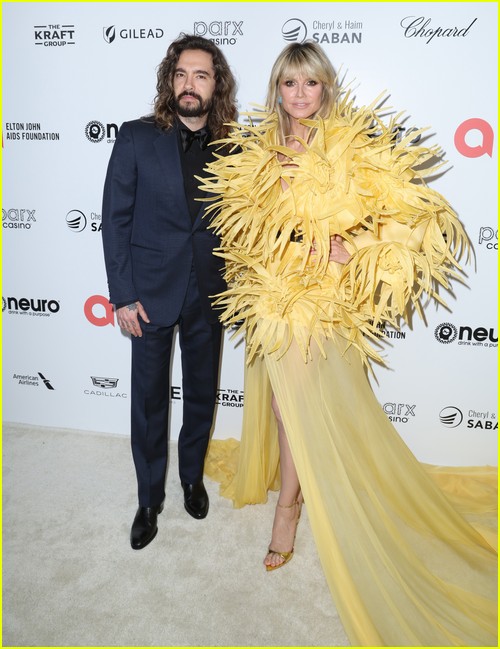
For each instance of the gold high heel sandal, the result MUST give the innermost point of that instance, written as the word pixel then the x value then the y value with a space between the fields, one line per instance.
pixel 286 556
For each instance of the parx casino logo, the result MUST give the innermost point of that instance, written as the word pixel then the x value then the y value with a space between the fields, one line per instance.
pixel 220 32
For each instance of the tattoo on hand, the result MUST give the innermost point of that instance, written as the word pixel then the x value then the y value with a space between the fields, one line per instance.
pixel 132 307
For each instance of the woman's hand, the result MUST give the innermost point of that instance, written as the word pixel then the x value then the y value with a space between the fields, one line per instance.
pixel 338 251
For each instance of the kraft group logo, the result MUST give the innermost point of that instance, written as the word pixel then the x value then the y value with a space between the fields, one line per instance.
pixel 294 31
pixel 54 35
pixel 99 311
pixel 110 33
pixel 95 132
pixel 228 398
pixel 451 417
pixel 474 138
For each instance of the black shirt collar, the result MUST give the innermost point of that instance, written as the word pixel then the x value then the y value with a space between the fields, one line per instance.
pixel 199 138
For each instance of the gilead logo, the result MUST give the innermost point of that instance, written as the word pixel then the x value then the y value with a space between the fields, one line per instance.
pixel 99 311
pixel 478 129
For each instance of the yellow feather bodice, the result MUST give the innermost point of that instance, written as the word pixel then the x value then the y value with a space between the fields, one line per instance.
pixel 354 179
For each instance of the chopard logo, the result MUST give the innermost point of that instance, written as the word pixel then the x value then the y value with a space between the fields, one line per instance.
pixel 420 27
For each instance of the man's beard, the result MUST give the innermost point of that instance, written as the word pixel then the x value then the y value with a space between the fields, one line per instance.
pixel 193 110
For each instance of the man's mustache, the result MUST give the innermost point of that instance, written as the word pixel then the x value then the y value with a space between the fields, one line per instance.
pixel 186 93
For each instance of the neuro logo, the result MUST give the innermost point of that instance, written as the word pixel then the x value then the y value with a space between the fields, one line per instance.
pixel 294 31
pixel 104 382
pixel 95 131
pixel 109 33
pixel 451 417
pixel 76 220
pixel 46 381
pixel 445 333
pixel 30 306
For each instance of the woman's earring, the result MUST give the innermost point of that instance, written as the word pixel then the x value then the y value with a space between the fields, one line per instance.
pixel 280 99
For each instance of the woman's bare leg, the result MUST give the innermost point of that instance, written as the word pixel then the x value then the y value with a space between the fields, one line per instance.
pixel 287 511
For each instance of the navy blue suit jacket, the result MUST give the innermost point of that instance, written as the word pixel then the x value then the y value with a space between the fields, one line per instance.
pixel 150 242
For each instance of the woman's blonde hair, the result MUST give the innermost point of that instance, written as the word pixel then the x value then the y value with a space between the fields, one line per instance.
pixel 309 60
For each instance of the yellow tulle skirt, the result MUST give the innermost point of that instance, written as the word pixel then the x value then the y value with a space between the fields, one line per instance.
pixel 408 549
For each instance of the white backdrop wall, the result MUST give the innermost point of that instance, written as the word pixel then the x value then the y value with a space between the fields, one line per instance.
pixel 73 72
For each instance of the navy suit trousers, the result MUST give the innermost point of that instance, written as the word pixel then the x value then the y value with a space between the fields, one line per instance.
pixel 200 345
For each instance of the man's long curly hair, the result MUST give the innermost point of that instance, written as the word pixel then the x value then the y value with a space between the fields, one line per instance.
pixel 224 99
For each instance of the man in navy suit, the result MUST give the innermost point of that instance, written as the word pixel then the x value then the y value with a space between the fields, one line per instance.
pixel 162 271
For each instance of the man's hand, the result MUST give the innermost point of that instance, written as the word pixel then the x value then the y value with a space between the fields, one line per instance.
pixel 128 318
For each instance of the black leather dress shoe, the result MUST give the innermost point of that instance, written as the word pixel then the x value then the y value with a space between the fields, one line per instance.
pixel 144 527
pixel 195 499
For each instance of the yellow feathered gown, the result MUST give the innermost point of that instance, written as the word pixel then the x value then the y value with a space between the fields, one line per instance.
pixel 404 566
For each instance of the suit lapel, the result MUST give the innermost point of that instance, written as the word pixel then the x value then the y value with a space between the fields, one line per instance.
pixel 168 154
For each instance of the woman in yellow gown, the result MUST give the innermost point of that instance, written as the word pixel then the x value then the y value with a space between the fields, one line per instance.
pixel 328 231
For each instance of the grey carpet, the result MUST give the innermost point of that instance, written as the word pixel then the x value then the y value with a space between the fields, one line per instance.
pixel 70 577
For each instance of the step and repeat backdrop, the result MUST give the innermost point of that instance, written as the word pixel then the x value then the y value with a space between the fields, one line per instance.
pixel 73 72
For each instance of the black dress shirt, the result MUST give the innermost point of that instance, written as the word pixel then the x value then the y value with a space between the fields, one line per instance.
pixel 193 161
